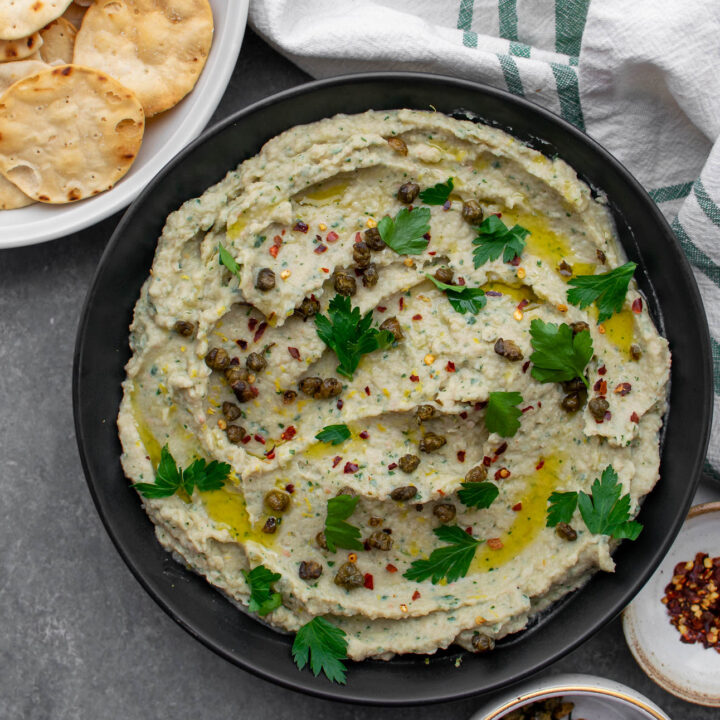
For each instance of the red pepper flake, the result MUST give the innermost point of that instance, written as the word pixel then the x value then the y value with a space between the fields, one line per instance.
pixel 540 465
pixel 461 455
pixel 381 308
pixel 274 250
pixel 502 474
pixel 487 461
pixel 463 415
pixel 539 403
pixel 358 237
pixel 527 409
pixel 339 404
pixel 336 460
pixel 259 438
pixel 277 240
pixel 461 280
pixel 600 387
pixel 493 293
pixel 252 323
pixel 602 370
pixel 468 529
pixel 350 468
pixel 414 378
pixel 523 304
pixel 367 390
pixel 368 581
pixel 294 352
pixel 515 261
pixel 320 249
pixel 517 507
pixel 447 205
pixel 498 215
pixel 637 306
pixel 332 236
pixel 246 440
pixel 391 568
pixel 242 344
pixel 634 417
pixel 623 389
pixel 450 367
pixel 495 543
pixel 432 252
pixel 290 488
pixel 235 361
pixel 289 432
pixel 364 435
pixel 255 392
pixel 325 270
pixel 427 236
pixel 501 449
pixel 260 331
pixel 417 317
pixel 300 226
pixel 525 366
pixel 401 303
pixel 608 415
pixel 283 231
pixel 270 455
pixel 480 405
pixel 416 595
pixel 691 599
pixel 392 466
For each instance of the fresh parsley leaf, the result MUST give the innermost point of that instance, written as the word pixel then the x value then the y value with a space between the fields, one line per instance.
pixel 325 645
pixel 349 335
pixel 450 562
pixel 559 355
pixel 496 238
pixel 462 297
pixel 405 233
pixel 169 478
pixel 605 512
pixel 228 261
pixel 606 290
pixel 262 597
pixel 334 434
pixel 501 415
pixel 478 494
pixel 562 507
pixel 437 194
pixel 338 533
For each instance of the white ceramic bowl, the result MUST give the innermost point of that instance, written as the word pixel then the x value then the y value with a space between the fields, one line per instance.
pixel 165 135
pixel 594 697
pixel 689 671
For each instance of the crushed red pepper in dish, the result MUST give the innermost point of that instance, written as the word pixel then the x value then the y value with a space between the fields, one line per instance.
pixel 692 599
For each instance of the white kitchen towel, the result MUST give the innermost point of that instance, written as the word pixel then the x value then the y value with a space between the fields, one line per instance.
pixel 641 77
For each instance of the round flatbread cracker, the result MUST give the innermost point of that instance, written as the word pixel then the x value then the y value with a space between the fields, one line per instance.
pixel 157 48
pixel 12 72
pixel 11 50
pixel 11 197
pixel 58 41
pixel 20 18
pixel 75 14
pixel 68 133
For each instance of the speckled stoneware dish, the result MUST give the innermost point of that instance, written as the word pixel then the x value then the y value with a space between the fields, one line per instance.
pixel 102 350
pixel 594 697
pixel 689 671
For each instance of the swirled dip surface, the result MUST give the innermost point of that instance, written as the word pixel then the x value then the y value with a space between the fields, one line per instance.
pixel 297 208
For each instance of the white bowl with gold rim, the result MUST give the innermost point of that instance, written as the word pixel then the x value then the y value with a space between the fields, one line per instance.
pixel 594 697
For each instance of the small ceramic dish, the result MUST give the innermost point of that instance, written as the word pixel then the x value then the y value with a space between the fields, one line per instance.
pixel 689 671
pixel 593 697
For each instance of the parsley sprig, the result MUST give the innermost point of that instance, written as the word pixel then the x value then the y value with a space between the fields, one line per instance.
pixel 324 645
pixel 228 261
pixel 349 335
pixel 334 434
pixel 501 415
pixel 463 298
pixel 606 290
pixel 169 478
pixel 478 494
pixel 450 562
pixel 604 511
pixel 405 234
pixel 559 355
pixel 437 194
pixel 339 533
pixel 263 599
pixel 496 238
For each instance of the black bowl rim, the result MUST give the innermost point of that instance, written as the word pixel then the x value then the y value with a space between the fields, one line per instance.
pixel 345 693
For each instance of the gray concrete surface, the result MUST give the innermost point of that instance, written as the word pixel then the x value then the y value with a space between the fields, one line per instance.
pixel 79 638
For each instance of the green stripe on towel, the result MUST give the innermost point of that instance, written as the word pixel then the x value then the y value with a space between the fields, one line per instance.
pixel 512 75
pixel 568 90
pixel 507 14
pixel 709 207
pixel 670 192
pixel 696 256
pixel 519 49
pixel 570 18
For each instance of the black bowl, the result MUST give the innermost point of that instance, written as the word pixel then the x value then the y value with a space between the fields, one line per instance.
pixel 102 350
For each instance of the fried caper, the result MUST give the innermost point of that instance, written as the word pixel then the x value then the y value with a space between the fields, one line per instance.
pixel 508 349
pixel 476 474
pixel 598 406
pixel 307 308
pixel 349 576
pixel 310 570
pixel 277 500
pixel 231 411
pixel 392 325
pixel 265 280
pixel 408 192
pixel 565 531
pixel 184 328
pixel 444 275
pixel 408 463
pixel 235 433
pixel 255 362
pixel 374 240
pixel 370 276
pixel 310 385
pixel 361 254
pixel 406 492
pixel 432 442
pixel 345 284
pixel 482 643
pixel 424 412
pixel 444 512
pixel 217 359
pixel 379 540
pixel 472 212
